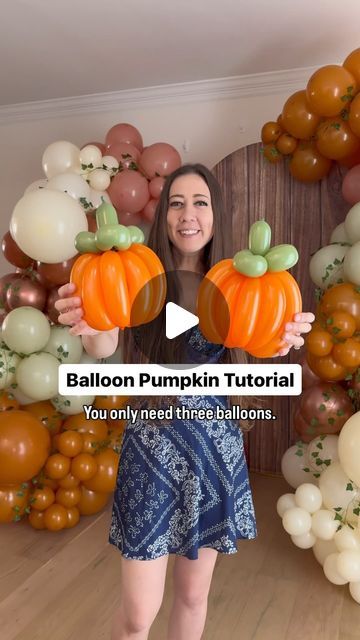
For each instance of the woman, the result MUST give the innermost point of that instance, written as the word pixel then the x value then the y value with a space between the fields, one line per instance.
pixel 182 487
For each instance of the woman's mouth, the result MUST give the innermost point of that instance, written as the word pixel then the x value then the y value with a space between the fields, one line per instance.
pixel 188 232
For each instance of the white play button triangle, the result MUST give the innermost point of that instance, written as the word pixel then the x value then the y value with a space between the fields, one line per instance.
pixel 178 320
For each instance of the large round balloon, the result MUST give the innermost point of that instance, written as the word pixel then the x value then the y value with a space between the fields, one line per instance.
pixel 323 408
pixel 13 253
pixel 92 501
pixel 349 448
pixel 26 292
pixel 60 157
pixel 45 223
pixel 329 88
pixel 124 132
pixel 307 164
pixel 67 348
pixel 104 479
pixel 26 330
pixel 294 466
pixel 297 117
pixel 335 139
pixel 37 376
pixel 129 191
pixel 24 446
pixel 159 159
pixel 336 488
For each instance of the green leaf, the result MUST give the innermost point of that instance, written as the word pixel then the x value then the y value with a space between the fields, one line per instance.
pixel 331 421
pixel 314 422
pixel 306 469
pixel 356 511
pixel 338 517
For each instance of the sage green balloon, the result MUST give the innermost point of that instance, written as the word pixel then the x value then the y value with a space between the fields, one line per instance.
pixel 8 363
pixel 260 238
pixel 281 257
pixel 85 242
pixel 26 330
pixel 137 234
pixel 352 264
pixel 69 405
pixel 107 237
pixel 37 376
pixel 326 266
pixel 248 264
pixel 67 348
pixel 123 240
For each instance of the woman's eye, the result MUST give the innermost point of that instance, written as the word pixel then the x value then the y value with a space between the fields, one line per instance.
pixel 202 203
pixel 176 204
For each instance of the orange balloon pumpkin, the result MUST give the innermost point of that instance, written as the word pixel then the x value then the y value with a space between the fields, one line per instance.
pixel 24 446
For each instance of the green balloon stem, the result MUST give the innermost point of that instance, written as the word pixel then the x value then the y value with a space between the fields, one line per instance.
pixel 106 214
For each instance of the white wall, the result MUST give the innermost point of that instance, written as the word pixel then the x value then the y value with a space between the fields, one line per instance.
pixel 213 129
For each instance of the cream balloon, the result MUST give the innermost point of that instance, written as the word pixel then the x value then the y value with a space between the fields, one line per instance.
pixel 45 223
pixel 8 363
pixel 26 330
pixel 352 223
pixel 21 397
pixel 354 588
pixel 329 256
pixel 326 446
pixel 62 345
pixel 352 264
pixel 308 497
pixel 110 163
pixel 70 183
pixel 336 487
pixel 339 234
pixel 348 565
pixel 324 525
pixel 331 570
pixel 296 521
pixel 99 179
pixel 322 549
pixel 349 447
pixel 37 184
pixel 59 157
pixel 285 502
pixel 37 376
pixel 292 466
pixel 90 155
pixel 95 198
pixel 69 405
pixel 347 539
pixel 305 540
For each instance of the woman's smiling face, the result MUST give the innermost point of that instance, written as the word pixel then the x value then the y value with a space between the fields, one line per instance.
pixel 190 215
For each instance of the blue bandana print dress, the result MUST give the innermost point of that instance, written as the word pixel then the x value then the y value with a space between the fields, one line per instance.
pixel 183 485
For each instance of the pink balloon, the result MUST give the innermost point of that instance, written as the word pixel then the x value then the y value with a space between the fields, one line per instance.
pixel 123 132
pixel 149 210
pixel 129 191
pixel 159 159
pixel 156 186
pixel 351 185
pixel 126 218
pixel 124 152
pixel 99 145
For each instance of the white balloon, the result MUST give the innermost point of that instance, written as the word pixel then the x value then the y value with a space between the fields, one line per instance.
pixel 21 397
pixel 354 588
pixel 70 183
pixel 111 164
pixel 333 255
pixel 90 154
pixel 95 198
pixel 331 570
pixel 352 223
pixel 322 549
pixel 305 540
pixel 336 488
pixel 348 565
pixel 285 502
pixel 308 497
pixel 296 521
pixel 293 464
pixel 351 268
pixel 347 539
pixel 349 447
pixel 69 405
pixel 339 234
pixel 324 525
pixel 325 446
pixel 59 157
pixel 99 179
pixel 34 186
pixel 45 223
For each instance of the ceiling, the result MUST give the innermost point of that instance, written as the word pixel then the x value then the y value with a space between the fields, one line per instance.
pixel 63 48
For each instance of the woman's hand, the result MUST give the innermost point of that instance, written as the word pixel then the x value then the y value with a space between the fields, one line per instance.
pixel 293 330
pixel 71 312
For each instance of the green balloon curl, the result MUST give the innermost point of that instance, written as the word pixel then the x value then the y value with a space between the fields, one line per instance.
pixel 259 258
pixel 109 235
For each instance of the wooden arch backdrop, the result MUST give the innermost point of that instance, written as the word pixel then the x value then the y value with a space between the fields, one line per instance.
pixel 300 214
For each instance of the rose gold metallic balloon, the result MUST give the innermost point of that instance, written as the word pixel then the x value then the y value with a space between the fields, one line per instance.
pixel 25 292
pixel 5 282
pixel 52 313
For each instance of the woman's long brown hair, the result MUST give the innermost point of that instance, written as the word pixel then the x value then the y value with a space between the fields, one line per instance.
pixel 148 338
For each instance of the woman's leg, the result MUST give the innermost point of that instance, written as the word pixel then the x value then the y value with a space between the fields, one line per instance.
pixel 192 579
pixel 142 588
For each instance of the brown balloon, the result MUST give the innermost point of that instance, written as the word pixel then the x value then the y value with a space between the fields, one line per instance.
pixel 57 273
pixel 309 378
pixel 323 409
pixel 24 446
pixel 25 292
pixel 52 312
pixel 14 254
pixel 5 282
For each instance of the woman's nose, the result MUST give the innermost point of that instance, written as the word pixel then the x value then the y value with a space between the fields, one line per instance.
pixel 188 212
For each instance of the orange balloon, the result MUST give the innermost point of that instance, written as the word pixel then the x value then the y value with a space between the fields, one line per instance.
pixel 69 482
pixel 307 164
pixel 24 446
pixel 57 466
pixel 341 324
pixel 354 115
pixel 91 443
pixel 47 414
pixel 70 443
pixel 8 401
pixel 68 497
pixel 105 478
pixel 41 499
pixel 55 517
pixel 352 64
pixel 335 139
pixel 319 342
pixel 298 118
pixel 92 501
pixel 271 153
pixel 73 515
pixel 79 423
pixel 270 132
pixel 115 439
pixel 84 466
pixel 110 402
pixel 342 297
pixel 329 89
pixel 326 368
pixel 286 144
pixel 14 499
pixel 347 353
pixel 37 519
